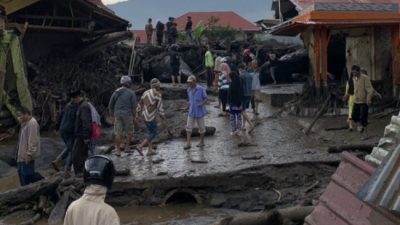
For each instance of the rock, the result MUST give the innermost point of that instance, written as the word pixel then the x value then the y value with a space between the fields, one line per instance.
pixel 210 131
pixel 217 200
pixel 162 173
pixel 157 161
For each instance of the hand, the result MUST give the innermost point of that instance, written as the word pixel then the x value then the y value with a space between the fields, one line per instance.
pixel 28 159
pixel 87 141
pixel 369 102
pixel 345 98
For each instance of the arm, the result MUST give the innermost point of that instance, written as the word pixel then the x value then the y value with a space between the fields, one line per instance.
pixel 111 104
pixel 33 141
pixel 58 124
pixel 369 89
pixel 139 108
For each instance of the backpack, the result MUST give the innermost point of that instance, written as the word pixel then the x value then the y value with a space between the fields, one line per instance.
pixel 96 123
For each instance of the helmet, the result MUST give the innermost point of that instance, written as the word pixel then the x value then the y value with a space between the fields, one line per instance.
pixel 99 170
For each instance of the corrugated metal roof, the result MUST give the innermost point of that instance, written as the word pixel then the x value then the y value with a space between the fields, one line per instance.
pixel 387 144
pixel 339 204
pixel 383 188
pixel 225 19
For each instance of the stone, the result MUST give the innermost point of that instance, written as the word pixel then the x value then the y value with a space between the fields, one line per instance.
pixel 217 200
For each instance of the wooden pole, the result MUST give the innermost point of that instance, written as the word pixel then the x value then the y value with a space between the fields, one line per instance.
pixel 396 54
pixel 317 53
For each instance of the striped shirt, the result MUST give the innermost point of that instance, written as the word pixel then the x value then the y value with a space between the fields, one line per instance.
pixel 223 82
pixel 150 105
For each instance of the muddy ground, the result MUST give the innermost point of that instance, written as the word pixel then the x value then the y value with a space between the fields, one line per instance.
pixel 283 167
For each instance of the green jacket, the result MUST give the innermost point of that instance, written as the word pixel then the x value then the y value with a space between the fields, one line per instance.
pixel 209 59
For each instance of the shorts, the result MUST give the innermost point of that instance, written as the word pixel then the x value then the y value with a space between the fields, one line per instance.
pixel 246 102
pixel 152 129
pixel 257 95
pixel 200 124
pixel 123 125
pixel 175 71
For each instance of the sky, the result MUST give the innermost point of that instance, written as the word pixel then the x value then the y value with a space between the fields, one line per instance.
pixel 138 11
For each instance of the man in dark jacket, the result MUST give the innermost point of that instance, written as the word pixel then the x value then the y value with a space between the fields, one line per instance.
pixel 160 32
pixel 66 127
pixel 188 29
pixel 83 134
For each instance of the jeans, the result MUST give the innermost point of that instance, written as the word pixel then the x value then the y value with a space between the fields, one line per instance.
pixel 66 155
pixel 27 174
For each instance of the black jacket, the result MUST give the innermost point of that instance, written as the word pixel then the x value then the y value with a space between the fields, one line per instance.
pixel 83 122
pixel 66 122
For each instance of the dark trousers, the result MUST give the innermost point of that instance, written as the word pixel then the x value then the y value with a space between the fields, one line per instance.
pixel 360 114
pixel 27 174
pixel 223 96
pixel 66 155
pixel 80 153
pixel 209 77
pixel 160 38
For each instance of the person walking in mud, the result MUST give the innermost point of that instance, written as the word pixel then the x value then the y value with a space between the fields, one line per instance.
pixel 235 97
pixel 363 94
pixel 28 147
pixel 122 107
pixel 90 209
pixel 196 111
pixel 349 97
pixel 247 81
pixel 149 31
pixel 175 63
pixel 223 85
pixel 255 86
pixel 83 135
pixel 66 128
pixel 151 106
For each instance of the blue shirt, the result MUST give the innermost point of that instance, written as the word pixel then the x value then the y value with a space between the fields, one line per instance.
pixel 196 97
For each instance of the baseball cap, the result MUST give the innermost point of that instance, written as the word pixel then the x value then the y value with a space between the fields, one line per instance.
pixel 191 78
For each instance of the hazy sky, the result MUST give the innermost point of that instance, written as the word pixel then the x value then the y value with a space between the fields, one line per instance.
pixel 138 11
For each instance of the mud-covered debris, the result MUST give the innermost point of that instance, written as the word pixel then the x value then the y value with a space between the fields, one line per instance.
pixel 252 157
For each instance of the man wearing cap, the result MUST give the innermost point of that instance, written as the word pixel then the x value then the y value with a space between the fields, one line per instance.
pixel 150 106
pixel 196 111
pixel 122 107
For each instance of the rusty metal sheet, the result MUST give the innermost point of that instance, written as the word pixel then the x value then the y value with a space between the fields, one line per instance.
pixel 339 204
pixel 15 5
pixel 383 188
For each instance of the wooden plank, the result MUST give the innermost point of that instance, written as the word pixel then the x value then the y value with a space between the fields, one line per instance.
pixel 324 54
pixel 317 51
pixel 396 54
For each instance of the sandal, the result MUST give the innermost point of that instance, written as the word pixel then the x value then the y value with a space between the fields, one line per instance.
pixel 200 145
pixel 139 149
pixel 186 147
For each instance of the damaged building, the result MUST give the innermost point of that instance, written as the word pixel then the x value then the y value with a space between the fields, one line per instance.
pixel 34 31
pixel 341 33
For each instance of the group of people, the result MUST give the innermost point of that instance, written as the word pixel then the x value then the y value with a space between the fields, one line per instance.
pixel 237 89
pixel 167 31
pixel 79 128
